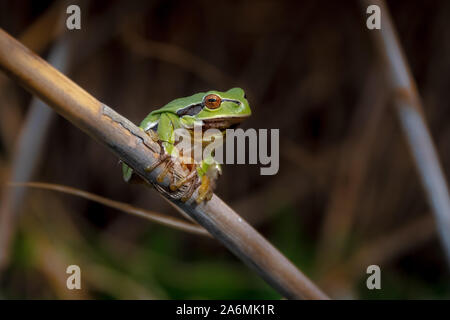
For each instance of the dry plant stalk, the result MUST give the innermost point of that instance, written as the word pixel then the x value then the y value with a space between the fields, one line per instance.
pixel 414 125
pixel 156 217
pixel 137 149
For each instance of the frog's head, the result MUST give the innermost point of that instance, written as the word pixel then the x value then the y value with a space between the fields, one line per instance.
pixel 220 110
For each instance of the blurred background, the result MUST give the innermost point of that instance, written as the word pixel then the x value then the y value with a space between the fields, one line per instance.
pixel 346 196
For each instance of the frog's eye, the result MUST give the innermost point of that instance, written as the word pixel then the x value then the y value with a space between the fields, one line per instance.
pixel 212 101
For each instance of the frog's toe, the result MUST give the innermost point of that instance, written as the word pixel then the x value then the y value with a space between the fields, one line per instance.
pixel 153 135
pixel 176 185
pixel 189 191
pixel 157 162
pixel 165 171
pixel 206 190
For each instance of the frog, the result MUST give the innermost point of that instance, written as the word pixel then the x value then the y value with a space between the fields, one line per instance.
pixel 209 110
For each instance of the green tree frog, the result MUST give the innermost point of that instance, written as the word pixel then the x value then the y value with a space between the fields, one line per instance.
pixel 212 109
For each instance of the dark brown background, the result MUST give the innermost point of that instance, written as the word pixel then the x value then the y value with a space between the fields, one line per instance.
pixel 309 69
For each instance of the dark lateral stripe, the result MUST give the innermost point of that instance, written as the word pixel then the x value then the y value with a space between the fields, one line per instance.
pixel 191 110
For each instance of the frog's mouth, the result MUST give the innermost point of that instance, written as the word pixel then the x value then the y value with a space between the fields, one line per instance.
pixel 222 123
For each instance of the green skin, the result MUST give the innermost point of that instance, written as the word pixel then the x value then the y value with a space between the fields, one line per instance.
pixel 184 112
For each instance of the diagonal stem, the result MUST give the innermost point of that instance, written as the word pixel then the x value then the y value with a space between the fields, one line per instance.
pixel 136 148
pixel 410 112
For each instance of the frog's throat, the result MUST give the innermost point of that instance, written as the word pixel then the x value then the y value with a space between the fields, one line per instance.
pixel 222 123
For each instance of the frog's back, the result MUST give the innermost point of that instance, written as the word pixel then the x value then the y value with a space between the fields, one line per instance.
pixel 151 120
pixel 180 103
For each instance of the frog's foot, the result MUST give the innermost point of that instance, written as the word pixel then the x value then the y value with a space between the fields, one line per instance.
pixel 161 157
pixel 168 164
pixel 188 193
pixel 188 182
pixel 176 185
pixel 208 184
pixel 158 162
pixel 206 190
pixel 153 135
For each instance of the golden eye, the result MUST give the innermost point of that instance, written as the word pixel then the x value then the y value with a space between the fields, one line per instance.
pixel 212 101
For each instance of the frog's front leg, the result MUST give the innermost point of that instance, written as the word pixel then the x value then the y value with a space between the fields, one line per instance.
pixel 208 172
pixel 191 176
pixel 164 135
pixel 166 158
pixel 127 172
